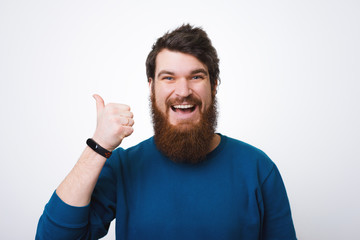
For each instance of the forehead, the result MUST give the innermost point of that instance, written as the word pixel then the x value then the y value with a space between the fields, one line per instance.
pixel 177 62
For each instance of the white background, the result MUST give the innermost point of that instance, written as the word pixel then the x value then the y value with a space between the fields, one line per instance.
pixel 290 86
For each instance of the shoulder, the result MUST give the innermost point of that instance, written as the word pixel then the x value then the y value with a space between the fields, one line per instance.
pixel 121 155
pixel 247 156
pixel 235 146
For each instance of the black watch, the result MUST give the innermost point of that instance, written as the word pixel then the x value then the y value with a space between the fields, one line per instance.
pixel 97 148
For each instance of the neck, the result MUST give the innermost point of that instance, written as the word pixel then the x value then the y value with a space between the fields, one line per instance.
pixel 215 142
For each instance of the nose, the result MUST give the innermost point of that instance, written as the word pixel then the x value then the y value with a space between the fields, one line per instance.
pixel 182 88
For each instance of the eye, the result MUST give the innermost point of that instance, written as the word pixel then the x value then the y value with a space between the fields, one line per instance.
pixel 168 78
pixel 197 77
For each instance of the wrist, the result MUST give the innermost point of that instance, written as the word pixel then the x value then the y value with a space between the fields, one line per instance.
pixel 95 146
pixel 103 143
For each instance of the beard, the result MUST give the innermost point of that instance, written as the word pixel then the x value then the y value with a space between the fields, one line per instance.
pixel 186 142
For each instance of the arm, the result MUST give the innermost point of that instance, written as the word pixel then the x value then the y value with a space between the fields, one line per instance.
pixel 114 123
pixel 77 187
pixel 277 222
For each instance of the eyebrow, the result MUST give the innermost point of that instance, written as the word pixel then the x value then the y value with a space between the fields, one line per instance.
pixel 199 70
pixel 165 72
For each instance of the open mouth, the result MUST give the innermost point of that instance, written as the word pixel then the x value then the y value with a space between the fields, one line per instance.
pixel 183 108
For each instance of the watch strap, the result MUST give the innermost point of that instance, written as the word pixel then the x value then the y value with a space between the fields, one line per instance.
pixel 97 148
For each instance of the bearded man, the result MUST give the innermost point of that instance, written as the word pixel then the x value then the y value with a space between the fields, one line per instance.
pixel 185 182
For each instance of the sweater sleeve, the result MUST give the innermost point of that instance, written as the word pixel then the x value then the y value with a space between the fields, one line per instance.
pixel 277 224
pixel 62 221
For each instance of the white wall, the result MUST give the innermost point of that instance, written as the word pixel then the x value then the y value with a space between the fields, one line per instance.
pixel 290 86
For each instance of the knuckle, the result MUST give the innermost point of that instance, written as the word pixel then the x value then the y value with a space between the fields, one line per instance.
pixel 120 130
pixel 131 122
pixel 127 107
pixel 129 131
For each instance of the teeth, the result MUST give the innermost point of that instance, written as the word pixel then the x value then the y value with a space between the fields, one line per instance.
pixel 183 106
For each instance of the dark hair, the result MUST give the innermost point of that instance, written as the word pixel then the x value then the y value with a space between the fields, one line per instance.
pixel 190 40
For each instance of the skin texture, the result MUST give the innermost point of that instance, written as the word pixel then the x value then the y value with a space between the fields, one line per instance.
pixel 183 107
pixel 114 123
pixel 178 75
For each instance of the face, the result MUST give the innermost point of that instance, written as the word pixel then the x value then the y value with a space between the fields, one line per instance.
pixel 182 87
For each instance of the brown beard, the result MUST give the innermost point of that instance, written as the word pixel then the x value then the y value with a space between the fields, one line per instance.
pixel 188 142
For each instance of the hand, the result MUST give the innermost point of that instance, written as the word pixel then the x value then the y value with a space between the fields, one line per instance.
pixel 114 123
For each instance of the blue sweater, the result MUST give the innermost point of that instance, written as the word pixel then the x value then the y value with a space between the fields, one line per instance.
pixel 237 193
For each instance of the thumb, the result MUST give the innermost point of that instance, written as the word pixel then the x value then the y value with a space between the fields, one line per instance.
pixel 99 103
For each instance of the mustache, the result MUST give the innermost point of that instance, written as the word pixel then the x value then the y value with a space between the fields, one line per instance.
pixel 180 100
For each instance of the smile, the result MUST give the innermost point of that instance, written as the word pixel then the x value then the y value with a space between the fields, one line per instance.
pixel 183 108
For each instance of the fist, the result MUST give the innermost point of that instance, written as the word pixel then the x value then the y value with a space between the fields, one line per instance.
pixel 114 123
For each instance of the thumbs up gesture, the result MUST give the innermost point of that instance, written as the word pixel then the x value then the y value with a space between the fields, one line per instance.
pixel 114 123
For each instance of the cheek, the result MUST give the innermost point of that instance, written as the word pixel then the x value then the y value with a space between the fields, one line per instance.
pixel 206 95
pixel 160 100
pixel 162 93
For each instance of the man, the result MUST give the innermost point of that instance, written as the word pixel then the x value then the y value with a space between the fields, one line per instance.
pixel 186 182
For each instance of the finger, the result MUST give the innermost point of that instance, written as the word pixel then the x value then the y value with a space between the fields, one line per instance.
pixel 126 121
pixel 121 107
pixel 100 104
pixel 127 114
pixel 131 122
pixel 127 131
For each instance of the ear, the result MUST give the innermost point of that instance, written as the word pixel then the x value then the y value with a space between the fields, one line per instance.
pixel 214 90
pixel 151 82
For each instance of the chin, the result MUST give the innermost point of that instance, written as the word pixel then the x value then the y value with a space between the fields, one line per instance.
pixel 184 124
pixel 185 127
